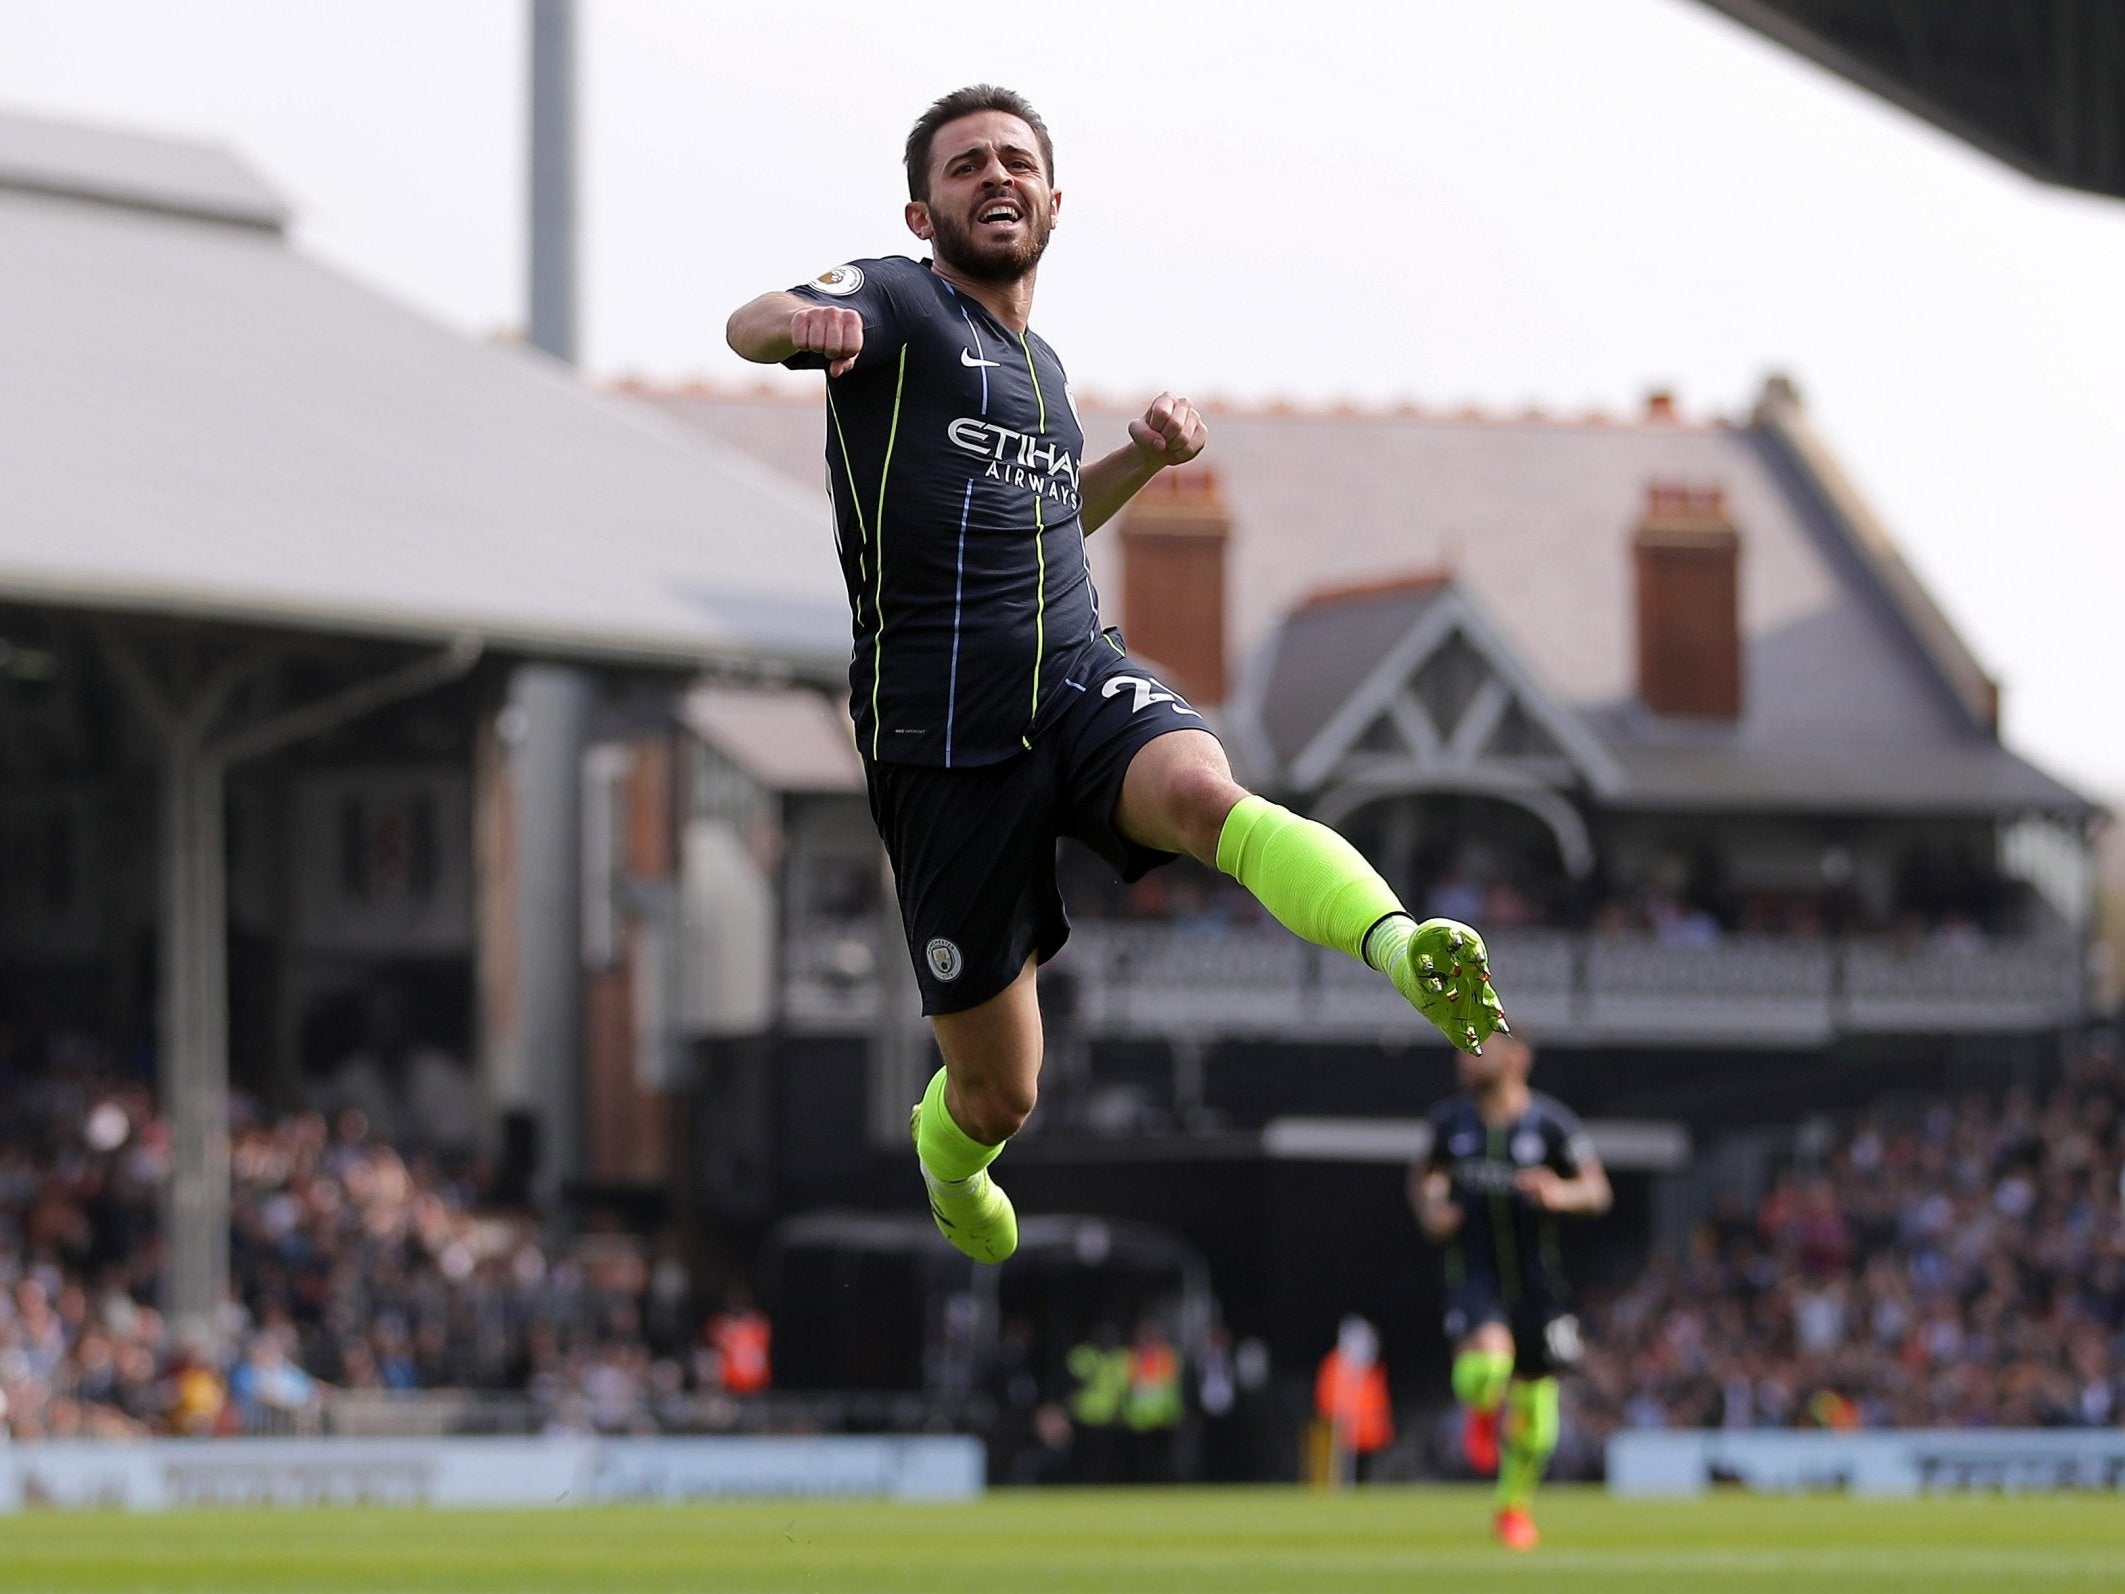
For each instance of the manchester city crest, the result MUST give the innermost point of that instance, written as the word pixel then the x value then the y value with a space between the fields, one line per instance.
pixel 944 958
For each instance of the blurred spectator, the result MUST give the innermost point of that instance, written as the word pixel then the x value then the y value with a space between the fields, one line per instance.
pixel 1099 1374
pixel 1217 1390
pixel 266 1385
pixel 196 1398
pixel 1153 1405
pixel 1350 1397
pixel 1020 1449
pixel 1680 924
pixel 740 1337
pixel 414 1096
pixel 1455 895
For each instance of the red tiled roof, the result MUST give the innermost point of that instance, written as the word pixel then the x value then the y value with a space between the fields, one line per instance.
pixel 1532 514
pixel 1421 581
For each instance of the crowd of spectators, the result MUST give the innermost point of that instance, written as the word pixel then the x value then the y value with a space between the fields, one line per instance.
pixel 1679 903
pixel 359 1269
pixel 1936 1264
pixel 1929 1263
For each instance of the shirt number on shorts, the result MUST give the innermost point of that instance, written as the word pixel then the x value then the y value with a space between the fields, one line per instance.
pixel 1148 692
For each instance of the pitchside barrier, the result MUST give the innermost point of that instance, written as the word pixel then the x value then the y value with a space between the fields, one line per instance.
pixel 160 1474
pixel 1910 1461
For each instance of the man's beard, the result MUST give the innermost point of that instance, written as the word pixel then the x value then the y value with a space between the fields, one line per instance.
pixel 992 262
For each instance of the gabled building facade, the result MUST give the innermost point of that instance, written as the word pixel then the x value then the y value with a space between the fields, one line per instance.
pixel 1654 701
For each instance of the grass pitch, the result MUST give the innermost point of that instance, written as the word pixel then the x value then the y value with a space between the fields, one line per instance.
pixel 1150 1541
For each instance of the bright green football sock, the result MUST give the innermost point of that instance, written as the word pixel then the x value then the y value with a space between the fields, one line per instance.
pixel 1480 1377
pixel 1530 1439
pixel 1315 883
pixel 947 1150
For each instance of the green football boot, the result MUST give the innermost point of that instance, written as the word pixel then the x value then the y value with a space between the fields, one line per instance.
pixel 974 1214
pixel 1444 972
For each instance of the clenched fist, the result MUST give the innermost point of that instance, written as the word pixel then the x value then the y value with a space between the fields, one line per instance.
pixel 1171 433
pixel 830 331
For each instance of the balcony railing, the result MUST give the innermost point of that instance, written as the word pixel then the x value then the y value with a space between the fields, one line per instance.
pixel 1142 980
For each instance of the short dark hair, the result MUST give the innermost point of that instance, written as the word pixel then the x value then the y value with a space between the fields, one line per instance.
pixel 965 102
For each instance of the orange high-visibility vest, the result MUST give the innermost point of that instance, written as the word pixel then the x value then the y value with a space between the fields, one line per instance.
pixel 1154 1398
pixel 1354 1400
pixel 742 1340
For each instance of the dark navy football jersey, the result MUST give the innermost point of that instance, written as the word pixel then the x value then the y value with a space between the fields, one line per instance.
pixel 952 453
pixel 1503 1235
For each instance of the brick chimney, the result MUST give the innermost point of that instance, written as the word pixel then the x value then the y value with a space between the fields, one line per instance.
pixel 1688 558
pixel 1173 538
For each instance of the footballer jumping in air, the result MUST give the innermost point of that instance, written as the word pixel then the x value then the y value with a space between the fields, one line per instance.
pixel 1504 1161
pixel 993 712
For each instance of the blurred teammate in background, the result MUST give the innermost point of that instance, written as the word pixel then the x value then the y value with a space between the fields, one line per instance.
pixel 1504 1162
pixel 993 711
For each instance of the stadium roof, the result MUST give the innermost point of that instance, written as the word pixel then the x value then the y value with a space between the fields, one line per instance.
pixel 2042 87
pixel 199 421
pixel 789 740
pixel 1860 696
pixel 145 173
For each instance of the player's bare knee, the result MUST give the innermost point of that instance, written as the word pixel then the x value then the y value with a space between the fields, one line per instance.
pixel 1489 1337
pixel 1197 798
pixel 1000 1109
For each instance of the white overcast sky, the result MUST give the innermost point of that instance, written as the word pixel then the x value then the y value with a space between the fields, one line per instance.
pixel 1504 202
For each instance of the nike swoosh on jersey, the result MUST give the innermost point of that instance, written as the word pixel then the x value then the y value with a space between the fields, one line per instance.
pixel 966 357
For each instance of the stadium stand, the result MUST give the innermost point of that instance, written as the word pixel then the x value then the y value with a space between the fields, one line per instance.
pixel 360 1273
pixel 1924 1262
pixel 1928 1263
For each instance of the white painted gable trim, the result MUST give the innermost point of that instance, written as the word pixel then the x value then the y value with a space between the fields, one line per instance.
pixel 1385 691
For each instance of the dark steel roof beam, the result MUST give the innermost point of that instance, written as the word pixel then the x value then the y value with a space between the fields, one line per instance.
pixel 2035 83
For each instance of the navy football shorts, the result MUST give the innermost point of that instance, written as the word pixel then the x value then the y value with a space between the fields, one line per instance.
pixel 1545 1331
pixel 973 850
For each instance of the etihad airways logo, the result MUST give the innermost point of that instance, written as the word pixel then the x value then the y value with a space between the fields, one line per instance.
pixel 1018 458
pixel 1479 1176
